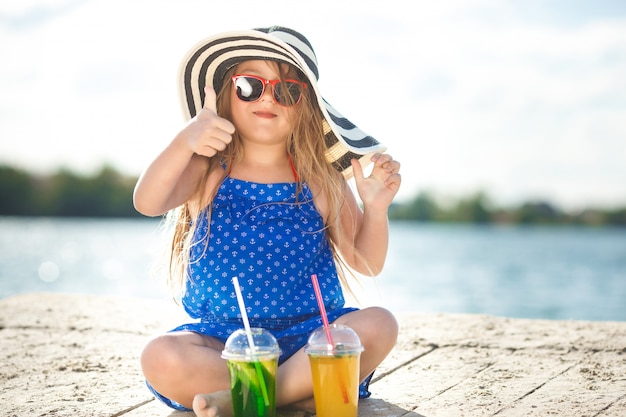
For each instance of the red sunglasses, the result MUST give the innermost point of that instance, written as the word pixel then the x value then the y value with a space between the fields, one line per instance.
pixel 250 88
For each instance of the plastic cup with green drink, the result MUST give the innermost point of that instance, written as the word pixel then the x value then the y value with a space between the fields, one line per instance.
pixel 252 372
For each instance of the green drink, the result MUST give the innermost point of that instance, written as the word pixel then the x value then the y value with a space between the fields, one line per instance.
pixel 252 373
pixel 249 392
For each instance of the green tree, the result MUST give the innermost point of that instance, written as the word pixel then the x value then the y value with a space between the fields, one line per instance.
pixel 422 208
pixel 16 192
pixel 473 209
pixel 539 212
pixel 108 193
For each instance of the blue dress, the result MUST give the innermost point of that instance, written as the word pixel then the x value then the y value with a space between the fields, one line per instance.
pixel 272 238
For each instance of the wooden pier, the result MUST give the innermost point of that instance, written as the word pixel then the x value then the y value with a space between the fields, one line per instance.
pixel 77 355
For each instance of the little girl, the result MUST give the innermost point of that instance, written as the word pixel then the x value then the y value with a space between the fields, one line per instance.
pixel 256 186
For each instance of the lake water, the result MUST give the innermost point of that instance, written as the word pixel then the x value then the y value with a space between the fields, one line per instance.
pixel 532 272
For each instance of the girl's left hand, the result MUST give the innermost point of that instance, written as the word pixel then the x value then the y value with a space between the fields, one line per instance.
pixel 378 190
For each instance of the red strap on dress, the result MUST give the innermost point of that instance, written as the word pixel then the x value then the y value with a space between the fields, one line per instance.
pixel 293 169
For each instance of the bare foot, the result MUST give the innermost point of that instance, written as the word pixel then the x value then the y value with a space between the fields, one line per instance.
pixel 217 404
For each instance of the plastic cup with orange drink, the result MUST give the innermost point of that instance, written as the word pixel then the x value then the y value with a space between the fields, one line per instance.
pixel 335 370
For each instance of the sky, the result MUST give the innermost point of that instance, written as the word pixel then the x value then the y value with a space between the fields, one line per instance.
pixel 523 100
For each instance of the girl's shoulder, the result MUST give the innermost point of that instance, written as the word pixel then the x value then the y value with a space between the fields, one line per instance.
pixel 322 203
pixel 216 175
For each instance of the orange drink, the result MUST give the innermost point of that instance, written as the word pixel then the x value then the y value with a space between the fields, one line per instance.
pixel 335 384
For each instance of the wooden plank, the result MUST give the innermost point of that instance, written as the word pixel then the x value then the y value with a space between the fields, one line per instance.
pixel 596 385
pixel 618 408
pixel 69 355
pixel 430 375
pixel 49 372
pixel 508 333
pixel 73 355
pixel 507 378
pixel 156 408
pixel 407 349
pixel 90 313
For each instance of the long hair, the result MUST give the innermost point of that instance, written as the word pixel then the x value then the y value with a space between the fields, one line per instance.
pixel 305 147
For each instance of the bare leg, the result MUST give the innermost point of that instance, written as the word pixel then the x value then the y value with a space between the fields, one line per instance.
pixel 181 364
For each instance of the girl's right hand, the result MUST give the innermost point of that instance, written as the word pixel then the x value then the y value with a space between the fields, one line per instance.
pixel 207 133
pixel 174 175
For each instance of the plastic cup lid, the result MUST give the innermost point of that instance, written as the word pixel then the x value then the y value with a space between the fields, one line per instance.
pixel 237 346
pixel 344 338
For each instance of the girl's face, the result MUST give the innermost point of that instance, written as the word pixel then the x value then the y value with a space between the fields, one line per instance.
pixel 262 121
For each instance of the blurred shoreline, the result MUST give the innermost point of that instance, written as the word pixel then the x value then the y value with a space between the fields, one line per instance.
pixel 108 193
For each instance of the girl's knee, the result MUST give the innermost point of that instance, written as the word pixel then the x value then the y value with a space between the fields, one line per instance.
pixel 376 326
pixel 382 324
pixel 159 356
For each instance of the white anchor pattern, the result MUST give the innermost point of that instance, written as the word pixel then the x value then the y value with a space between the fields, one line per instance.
pixel 272 242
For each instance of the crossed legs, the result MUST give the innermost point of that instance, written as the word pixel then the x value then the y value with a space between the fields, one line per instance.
pixel 182 365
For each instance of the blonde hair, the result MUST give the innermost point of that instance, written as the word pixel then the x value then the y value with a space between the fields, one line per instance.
pixel 305 147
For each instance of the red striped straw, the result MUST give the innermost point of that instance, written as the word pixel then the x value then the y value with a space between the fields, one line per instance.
pixel 320 302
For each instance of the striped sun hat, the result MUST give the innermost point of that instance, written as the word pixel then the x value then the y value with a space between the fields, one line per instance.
pixel 208 61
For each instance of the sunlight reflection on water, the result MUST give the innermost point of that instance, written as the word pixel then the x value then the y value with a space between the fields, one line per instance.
pixel 535 272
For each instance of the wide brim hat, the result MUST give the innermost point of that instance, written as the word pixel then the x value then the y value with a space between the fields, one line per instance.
pixel 208 62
